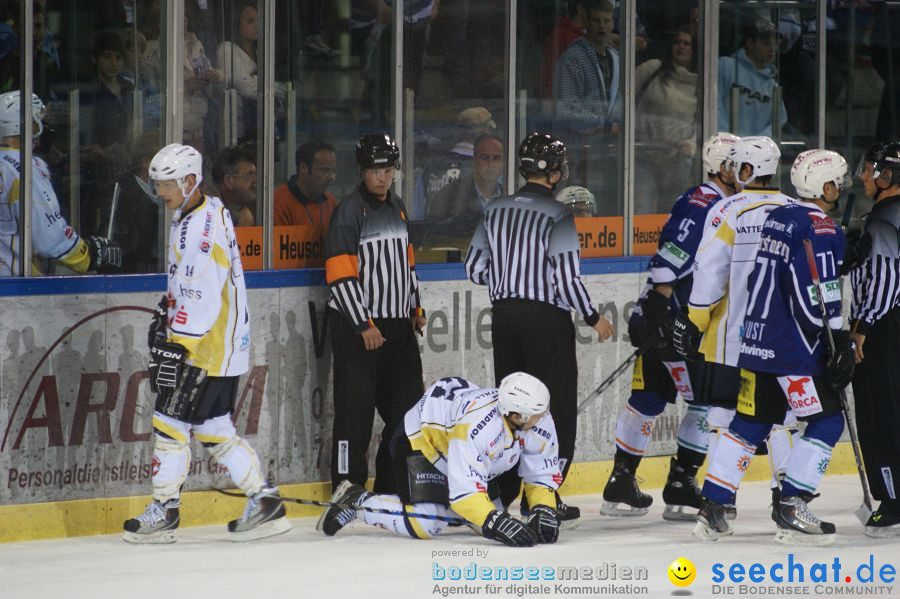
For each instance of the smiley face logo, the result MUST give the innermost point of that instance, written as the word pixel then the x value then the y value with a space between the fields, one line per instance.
pixel 682 572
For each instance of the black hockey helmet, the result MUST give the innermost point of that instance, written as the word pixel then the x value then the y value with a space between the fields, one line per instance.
pixel 874 154
pixel 888 159
pixel 377 151
pixel 542 154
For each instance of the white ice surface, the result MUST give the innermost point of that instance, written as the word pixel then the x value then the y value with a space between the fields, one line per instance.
pixel 364 562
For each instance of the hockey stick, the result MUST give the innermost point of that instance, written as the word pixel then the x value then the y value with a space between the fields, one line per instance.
pixel 848 211
pixel 348 506
pixel 608 381
pixel 864 511
pixel 112 211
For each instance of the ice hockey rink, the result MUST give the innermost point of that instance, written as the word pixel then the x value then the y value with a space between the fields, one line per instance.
pixel 362 561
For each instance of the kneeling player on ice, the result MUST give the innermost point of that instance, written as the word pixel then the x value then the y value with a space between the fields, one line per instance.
pixel 785 359
pixel 452 442
pixel 199 345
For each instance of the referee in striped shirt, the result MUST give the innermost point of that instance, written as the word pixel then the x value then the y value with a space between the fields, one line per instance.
pixel 875 326
pixel 526 251
pixel 374 311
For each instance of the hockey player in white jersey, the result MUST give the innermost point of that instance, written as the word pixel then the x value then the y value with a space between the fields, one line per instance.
pixel 659 373
pixel 785 359
pixel 52 239
pixel 713 326
pixel 455 440
pixel 199 345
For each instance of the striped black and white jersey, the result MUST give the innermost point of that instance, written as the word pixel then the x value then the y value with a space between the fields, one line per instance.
pixel 876 282
pixel 369 263
pixel 526 247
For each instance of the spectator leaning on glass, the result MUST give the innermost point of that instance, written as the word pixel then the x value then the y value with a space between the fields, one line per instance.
pixel 751 74
pixel 51 237
pixel 666 101
pixel 304 199
pixel 234 174
pixel 373 313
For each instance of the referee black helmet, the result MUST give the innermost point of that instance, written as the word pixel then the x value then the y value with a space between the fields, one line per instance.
pixel 888 159
pixel 542 154
pixel 377 151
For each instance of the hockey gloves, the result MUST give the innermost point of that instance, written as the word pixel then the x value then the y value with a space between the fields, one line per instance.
pixel 839 370
pixel 686 337
pixel 500 526
pixel 655 307
pixel 157 331
pixel 166 366
pixel 544 521
pixel 105 253
pixel 858 249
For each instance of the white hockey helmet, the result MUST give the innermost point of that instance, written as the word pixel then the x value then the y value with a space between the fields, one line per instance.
pixel 176 162
pixel 715 151
pixel 577 200
pixel 524 394
pixel 812 169
pixel 758 151
pixel 10 113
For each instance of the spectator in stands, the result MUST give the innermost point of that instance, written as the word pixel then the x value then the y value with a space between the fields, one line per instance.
pixel 567 30
pixel 105 129
pixel 199 77
pixel 751 74
pixel 665 129
pixel 234 174
pixel 589 103
pixel 457 163
pixel 305 199
pixel 237 59
pixel 464 199
pixel 134 71
pixel 137 220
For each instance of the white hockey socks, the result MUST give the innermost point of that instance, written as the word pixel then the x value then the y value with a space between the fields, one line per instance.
pixel 418 528
pixel 634 431
pixel 694 432
pixel 780 442
pixel 807 464
pixel 727 467
pixel 232 452
pixel 171 459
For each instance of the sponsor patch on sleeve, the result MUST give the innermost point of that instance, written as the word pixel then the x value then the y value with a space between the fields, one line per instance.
pixel 674 254
pixel 822 225
pixel 831 289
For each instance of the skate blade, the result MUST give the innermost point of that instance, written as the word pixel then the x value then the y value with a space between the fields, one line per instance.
pixel 882 532
pixel 791 537
pixel 706 533
pixel 569 524
pixel 677 513
pixel 264 530
pixel 155 538
pixel 610 508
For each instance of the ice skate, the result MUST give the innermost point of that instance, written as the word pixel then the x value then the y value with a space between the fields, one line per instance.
pixel 335 518
pixel 622 488
pixel 156 525
pixel 713 522
pixel 798 526
pixel 264 516
pixel 681 495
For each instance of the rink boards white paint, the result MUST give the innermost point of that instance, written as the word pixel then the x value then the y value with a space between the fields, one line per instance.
pixel 75 405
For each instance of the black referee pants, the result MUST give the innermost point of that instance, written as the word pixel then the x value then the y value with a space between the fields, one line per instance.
pixel 388 379
pixel 538 338
pixel 876 395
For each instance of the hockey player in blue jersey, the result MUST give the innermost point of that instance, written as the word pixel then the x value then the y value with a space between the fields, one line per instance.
pixel 784 357
pixel 659 373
